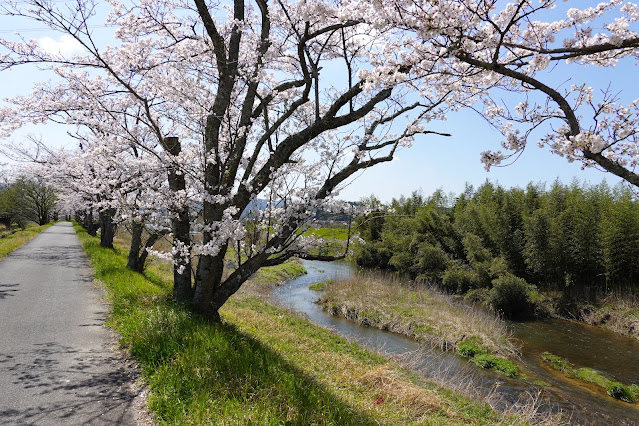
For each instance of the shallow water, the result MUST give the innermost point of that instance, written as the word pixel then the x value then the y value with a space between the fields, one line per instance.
pixel 581 344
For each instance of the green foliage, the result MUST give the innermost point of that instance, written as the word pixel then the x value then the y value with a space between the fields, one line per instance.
pixel 478 296
pixel 459 279
pixel 373 255
pixel 620 391
pixel 470 348
pixel 591 375
pixel 27 199
pixel 281 273
pixel 557 363
pixel 319 286
pixel 576 239
pixel 492 362
pixel 511 296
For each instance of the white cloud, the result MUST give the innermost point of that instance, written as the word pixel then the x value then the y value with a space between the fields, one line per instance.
pixel 66 46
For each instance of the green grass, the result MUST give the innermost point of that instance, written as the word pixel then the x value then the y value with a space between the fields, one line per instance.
pixel 557 363
pixel 470 347
pixel 319 286
pixel 480 356
pixel 280 273
pixel 339 233
pixel 499 364
pixel 261 365
pixel 333 240
pixel 620 391
pixel 627 393
pixel 19 238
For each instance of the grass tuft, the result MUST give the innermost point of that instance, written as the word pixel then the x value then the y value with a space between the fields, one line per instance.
pixel 620 391
pixel 319 286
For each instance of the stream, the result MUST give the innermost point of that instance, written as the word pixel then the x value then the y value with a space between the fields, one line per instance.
pixel 579 343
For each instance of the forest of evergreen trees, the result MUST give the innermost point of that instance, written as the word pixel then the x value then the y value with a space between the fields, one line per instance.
pixel 580 240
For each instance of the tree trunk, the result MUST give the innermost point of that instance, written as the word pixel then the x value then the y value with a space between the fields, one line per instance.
pixel 89 224
pixel 136 245
pixel 210 270
pixel 137 253
pixel 107 227
pixel 182 289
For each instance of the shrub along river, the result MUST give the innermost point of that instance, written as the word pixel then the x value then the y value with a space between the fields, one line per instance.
pixel 578 343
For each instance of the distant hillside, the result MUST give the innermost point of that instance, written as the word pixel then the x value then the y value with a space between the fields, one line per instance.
pixel 260 204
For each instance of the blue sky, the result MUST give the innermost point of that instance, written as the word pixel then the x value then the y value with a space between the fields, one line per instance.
pixel 433 162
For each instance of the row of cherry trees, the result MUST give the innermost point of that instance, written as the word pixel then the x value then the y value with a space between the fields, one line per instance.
pixel 196 108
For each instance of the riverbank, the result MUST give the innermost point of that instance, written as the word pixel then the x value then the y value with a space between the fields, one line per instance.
pixel 262 364
pixel 618 313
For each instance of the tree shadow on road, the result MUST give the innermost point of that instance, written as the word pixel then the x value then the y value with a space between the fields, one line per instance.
pixel 7 290
pixel 57 384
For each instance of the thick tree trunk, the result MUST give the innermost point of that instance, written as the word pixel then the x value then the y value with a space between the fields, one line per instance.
pixel 210 271
pixel 182 288
pixel 107 227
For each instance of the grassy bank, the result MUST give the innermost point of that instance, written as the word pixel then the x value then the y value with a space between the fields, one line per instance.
pixel 385 302
pixel 18 238
pixel 262 365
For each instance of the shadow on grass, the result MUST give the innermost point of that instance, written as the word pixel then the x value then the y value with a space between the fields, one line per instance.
pixel 210 371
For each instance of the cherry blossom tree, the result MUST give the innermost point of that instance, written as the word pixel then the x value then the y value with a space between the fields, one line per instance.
pixel 514 47
pixel 272 100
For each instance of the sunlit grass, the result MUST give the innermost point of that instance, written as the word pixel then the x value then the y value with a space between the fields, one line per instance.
pixel 336 233
pixel 261 365
pixel 19 238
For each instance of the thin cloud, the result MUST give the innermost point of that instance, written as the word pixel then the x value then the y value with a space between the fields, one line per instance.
pixel 66 46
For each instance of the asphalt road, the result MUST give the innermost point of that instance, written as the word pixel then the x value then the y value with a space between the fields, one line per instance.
pixel 57 366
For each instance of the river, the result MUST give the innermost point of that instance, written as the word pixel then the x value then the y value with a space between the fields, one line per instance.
pixel 579 343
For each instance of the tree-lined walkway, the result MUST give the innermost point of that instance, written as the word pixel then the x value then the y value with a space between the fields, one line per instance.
pixel 56 366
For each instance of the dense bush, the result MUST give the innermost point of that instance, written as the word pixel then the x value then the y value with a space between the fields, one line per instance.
pixel 458 279
pixel 511 296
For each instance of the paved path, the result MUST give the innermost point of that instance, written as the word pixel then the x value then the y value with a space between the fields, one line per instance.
pixel 56 366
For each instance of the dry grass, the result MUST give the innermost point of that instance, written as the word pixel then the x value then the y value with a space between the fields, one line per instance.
pixel 419 312
pixel 618 312
pixel 531 408
pixel 418 402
